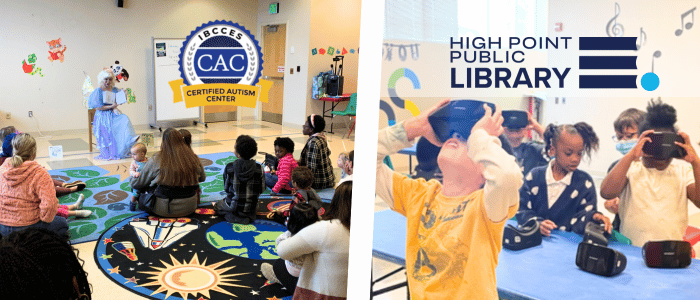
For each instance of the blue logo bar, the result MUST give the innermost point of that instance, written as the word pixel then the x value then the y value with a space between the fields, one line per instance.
pixel 607 62
pixel 216 63
pixel 588 62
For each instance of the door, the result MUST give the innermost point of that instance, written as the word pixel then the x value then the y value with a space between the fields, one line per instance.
pixel 219 113
pixel 274 42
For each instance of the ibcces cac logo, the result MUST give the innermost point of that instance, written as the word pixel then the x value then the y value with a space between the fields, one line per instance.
pixel 221 52
pixel 221 64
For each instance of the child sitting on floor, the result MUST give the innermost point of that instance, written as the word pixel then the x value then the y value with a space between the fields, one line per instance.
pixel 74 209
pixel 7 133
pixel 626 135
pixel 62 188
pixel 279 181
pixel 302 178
pixel 244 181
pixel 559 194
pixel 340 163
pixel 301 216
pixel 187 136
pixel 347 168
pixel 653 192
pixel 138 153
pixel 455 228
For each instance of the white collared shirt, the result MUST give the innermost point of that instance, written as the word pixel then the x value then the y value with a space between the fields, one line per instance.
pixel 554 187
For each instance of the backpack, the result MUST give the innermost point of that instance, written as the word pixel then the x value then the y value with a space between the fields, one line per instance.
pixel 318 88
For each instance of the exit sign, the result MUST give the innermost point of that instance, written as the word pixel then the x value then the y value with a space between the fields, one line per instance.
pixel 274 8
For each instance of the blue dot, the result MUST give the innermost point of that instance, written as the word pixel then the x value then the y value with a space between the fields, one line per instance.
pixel 650 81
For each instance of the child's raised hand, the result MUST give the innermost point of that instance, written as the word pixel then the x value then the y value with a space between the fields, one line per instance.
pixel 637 152
pixel 613 205
pixel 601 218
pixel 532 124
pixel 420 126
pixel 137 174
pixel 493 124
pixel 546 227
pixel 690 156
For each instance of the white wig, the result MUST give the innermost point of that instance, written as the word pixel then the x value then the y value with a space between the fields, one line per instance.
pixel 104 75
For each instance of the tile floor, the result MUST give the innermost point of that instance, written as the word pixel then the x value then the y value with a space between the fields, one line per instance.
pixel 218 137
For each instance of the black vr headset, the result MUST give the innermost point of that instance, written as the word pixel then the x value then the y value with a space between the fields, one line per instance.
pixel 458 116
pixel 595 234
pixel 600 260
pixel 667 254
pixel 663 146
pixel 514 119
pixel 524 236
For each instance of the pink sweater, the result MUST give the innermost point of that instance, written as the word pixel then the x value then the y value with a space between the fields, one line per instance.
pixel 27 194
pixel 285 167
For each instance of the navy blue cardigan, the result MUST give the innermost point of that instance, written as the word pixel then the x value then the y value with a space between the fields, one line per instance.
pixel 572 210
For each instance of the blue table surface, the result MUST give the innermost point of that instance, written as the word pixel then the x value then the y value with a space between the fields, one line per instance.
pixel 549 270
pixel 409 150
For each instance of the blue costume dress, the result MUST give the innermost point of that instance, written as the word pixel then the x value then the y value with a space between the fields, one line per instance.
pixel 573 209
pixel 113 130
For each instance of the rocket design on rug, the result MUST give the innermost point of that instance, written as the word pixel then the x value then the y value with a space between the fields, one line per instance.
pixel 158 233
pixel 127 249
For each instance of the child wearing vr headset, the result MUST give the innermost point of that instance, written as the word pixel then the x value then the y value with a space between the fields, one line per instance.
pixel 529 154
pixel 559 194
pixel 626 136
pixel 454 229
pixel 653 187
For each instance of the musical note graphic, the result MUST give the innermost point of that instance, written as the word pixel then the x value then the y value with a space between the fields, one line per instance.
pixel 642 38
pixel 689 24
pixel 614 29
pixel 657 54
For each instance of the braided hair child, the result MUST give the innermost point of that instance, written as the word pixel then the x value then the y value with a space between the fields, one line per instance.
pixel 559 194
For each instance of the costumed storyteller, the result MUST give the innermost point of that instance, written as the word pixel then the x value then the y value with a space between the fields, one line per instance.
pixel 113 130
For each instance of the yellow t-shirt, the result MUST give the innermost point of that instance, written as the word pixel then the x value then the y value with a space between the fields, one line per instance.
pixel 451 245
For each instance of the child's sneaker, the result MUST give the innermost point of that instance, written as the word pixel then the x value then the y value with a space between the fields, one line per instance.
pixel 76 184
pixel 83 213
pixel 133 205
pixel 79 203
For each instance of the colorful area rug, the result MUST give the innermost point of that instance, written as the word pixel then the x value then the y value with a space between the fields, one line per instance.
pixel 198 257
pixel 108 193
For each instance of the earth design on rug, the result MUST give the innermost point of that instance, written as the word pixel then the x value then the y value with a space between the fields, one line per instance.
pixel 108 193
pixel 174 258
pixel 256 241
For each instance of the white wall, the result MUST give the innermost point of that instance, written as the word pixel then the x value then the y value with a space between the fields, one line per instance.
pixel 676 66
pixel 589 18
pixel 296 93
pixel 95 33
pixel 335 24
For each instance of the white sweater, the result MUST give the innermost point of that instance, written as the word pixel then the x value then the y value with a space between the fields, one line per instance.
pixel 326 271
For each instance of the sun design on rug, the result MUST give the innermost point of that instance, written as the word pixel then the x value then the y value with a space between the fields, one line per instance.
pixel 191 278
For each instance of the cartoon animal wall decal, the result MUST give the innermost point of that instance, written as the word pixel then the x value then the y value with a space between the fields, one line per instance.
pixel 119 72
pixel 56 50
pixel 31 68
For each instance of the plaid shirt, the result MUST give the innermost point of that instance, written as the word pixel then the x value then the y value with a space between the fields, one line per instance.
pixel 316 156
pixel 244 193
